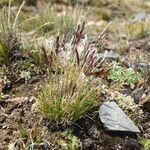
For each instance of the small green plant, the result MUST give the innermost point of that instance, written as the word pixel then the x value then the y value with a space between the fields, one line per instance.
pixel 125 76
pixel 145 143
pixel 23 134
pixel 66 97
pixel 29 139
pixel 68 141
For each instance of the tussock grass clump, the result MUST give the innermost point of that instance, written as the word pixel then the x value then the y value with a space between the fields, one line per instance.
pixel 133 30
pixel 66 97
pixel 50 22
pixel 137 30
pixel 9 34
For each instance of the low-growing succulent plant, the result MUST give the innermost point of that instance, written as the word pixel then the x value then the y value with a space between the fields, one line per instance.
pixel 68 141
pixel 145 143
pixel 124 76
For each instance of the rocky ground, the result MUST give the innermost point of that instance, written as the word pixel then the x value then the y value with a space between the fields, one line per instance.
pixel 118 32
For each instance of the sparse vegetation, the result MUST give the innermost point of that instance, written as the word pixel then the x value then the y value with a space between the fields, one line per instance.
pixel 60 60
pixel 32 139
pixel 47 23
pixel 132 30
pixel 9 35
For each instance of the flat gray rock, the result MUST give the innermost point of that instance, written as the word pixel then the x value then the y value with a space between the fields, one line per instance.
pixel 140 16
pixel 109 55
pixel 115 119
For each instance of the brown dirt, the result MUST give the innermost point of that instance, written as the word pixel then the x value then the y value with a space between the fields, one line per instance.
pixel 16 113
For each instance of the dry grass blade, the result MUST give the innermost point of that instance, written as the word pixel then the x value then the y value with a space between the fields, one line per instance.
pixel 15 21
pixel 45 57
pixel 103 34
